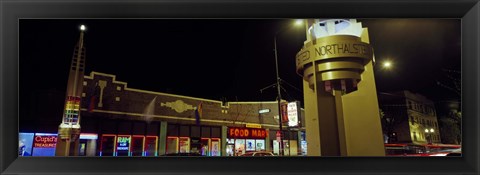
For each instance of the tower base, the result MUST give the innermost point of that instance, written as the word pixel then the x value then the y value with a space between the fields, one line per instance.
pixel 68 142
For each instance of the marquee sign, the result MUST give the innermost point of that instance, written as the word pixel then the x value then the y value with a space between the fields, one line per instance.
pixel 252 133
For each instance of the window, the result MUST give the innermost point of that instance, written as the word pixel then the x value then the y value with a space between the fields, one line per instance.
pixel 412 120
pixel 409 104
pixel 414 136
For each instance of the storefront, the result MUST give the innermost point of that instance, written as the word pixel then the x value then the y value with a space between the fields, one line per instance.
pixel 128 145
pixel 242 140
pixel 290 138
pixel 44 144
pixel 205 140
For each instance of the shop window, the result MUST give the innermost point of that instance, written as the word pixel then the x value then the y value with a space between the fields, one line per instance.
pixel 107 145
pixel 239 147
pixel 205 149
pixel 215 147
pixel 230 149
pixel 196 145
pixel 137 145
pixel 172 145
pixel 151 146
pixel 259 145
pixel 123 145
pixel 184 144
pixel 82 148
pixel 250 145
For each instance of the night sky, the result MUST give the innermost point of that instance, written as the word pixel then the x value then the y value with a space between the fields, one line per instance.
pixel 228 58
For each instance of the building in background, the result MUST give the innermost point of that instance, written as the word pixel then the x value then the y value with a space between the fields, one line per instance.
pixel 408 118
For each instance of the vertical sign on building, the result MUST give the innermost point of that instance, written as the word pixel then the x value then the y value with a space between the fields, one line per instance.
pixel 293 112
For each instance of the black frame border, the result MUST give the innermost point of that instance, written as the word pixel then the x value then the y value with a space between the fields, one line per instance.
pixel 12 10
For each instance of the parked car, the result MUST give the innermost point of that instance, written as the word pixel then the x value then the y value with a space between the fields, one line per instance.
pixel 258 153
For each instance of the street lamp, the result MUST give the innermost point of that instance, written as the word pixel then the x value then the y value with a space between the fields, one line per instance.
pixel 387 64
pixel 429 136
pixel 279 95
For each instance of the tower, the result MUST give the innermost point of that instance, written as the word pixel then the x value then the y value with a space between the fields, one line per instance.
pixel 69 129
pixel 341 107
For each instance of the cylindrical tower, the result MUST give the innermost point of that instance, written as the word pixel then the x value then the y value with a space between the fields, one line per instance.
pixel 337 57
pixel 341 107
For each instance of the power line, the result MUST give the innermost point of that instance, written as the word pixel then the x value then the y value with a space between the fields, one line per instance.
pixel 291 85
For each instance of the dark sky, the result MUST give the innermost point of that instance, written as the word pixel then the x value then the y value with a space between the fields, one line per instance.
pixel 231 58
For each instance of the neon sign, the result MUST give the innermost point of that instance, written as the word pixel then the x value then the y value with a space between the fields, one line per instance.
pixel 247 133
pixel 123 143
pixel 72 108
pixel 41 141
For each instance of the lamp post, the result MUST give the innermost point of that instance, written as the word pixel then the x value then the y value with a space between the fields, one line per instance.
pixel 279 95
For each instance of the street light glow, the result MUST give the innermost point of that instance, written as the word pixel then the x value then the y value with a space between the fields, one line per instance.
pixel 431 130
pixel 426 130
pixel 82 28
pixel 387 64
pixel 298 22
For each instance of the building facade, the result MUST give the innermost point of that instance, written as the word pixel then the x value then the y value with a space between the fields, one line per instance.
pixel 121 121
pixel 409 118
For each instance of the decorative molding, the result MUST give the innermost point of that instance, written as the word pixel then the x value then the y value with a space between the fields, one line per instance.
pixel 102 84
pixel 173 117
pixel 179 106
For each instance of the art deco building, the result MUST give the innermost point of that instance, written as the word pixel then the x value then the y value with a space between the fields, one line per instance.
pixel 121 121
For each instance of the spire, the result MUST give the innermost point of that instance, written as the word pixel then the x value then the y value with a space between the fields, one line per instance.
pixel 78 60
pixel 80 41
pixel 75 82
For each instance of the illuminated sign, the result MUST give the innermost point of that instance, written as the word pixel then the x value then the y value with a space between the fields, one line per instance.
pixel 45 141
pixel 252 125
pixel 263 111
pixel 293 113
pixel 88 136
pixel 247 133
pixel 72 110
pixel 123 143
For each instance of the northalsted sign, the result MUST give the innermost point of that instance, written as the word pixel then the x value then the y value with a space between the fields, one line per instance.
pixel 251 133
